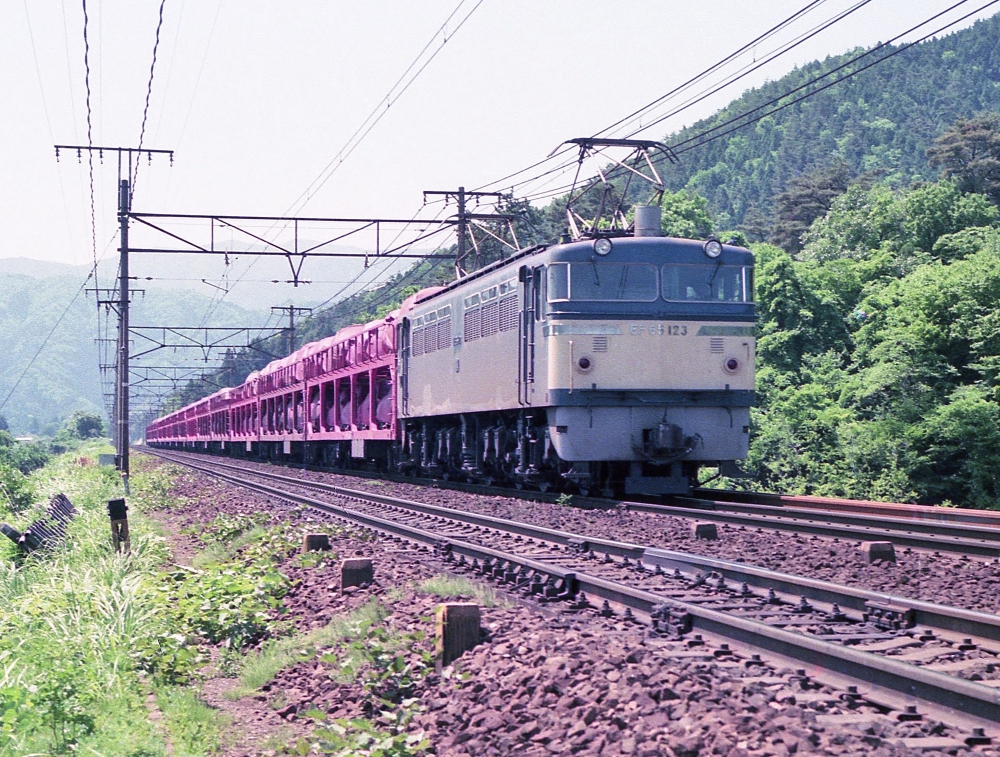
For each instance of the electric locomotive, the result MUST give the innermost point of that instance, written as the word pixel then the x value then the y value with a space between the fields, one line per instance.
pixel 617 365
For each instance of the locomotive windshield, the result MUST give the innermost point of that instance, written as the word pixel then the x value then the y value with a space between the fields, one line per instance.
pixel 640 282
pixel 706 283
pixel 603 282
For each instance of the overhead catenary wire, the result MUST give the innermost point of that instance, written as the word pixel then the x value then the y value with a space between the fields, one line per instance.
pixel 731 80
pixel 694 100
pixel 687 145
pixel 812 5
pixel 398 89
pixel 149 92
pixel 770 32
pixel 712 133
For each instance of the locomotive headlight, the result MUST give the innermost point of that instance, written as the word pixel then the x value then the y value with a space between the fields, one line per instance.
pixel 731 365
pixel 713 248
pixel 602 246
pixel 585 364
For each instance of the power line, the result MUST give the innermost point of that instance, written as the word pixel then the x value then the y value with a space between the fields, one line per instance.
pixel 686 146
pixel 699 138
pixel 383 107
pixel 149 92
pixel 670 94
pixel 373 118
pixel 90 136
pixel 747 70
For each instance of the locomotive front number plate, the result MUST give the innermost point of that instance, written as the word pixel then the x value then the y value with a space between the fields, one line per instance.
pixel 658 329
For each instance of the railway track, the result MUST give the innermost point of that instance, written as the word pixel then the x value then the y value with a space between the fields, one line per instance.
pixel 901 651
pixel 932 513
pixel 936 529
pixel 979 539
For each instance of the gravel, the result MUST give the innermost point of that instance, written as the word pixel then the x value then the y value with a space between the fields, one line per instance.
pixel 550 681
pixel 970 583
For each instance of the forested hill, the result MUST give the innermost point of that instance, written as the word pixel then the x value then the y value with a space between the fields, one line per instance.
pixel 881 120
pixel 65 376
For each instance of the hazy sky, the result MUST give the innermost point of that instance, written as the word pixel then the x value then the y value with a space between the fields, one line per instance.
pixel 256 97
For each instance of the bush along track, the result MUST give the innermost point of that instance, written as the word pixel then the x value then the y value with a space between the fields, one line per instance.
pixel 99 652
pixel 77 621
pixel 350 672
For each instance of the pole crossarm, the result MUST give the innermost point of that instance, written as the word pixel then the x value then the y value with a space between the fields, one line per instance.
pixel 206 338
pixel 203 239
pixel 465 220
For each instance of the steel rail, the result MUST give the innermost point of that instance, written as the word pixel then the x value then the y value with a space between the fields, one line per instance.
pixel 982 626
pixel 935 513
pixel 949 692
pixel 781 517
pixel 781 520
pixel 891 523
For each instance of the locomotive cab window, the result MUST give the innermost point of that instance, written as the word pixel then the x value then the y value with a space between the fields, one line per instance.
pixel 558 282
pixel 603 282
pixel 707 283
pixel 538 292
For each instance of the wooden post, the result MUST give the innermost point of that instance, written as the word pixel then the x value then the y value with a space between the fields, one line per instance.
pixel 118 511
pixel 316 543
pixel 457 630
pixel 706 531
pixel 356 572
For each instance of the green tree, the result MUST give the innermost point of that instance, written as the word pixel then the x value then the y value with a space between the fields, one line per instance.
pixel 969 152
pixel 685 214
pixel 956 451
pixel 805 199
pixel 83 425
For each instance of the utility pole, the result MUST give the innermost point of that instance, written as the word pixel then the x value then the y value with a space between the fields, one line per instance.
pixel 120 410
pixel 121 379
pixel 463 219
pixel 291 310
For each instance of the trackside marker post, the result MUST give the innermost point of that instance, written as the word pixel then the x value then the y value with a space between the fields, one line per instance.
pixel 315 543
pixel 118 512
pixel 458 630
pixel 356 572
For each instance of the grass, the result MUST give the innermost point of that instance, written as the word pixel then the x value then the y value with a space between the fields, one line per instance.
pixel 68 680
pixel 261 667
pixel 457 587
pixel 86 634
pixel 194 727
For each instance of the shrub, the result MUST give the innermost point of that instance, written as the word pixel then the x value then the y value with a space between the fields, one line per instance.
pixel 16 492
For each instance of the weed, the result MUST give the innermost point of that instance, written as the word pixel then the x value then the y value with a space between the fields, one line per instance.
pixel 16 491
pixel 565 499
pixel 68 680
pixel 194 726
pixel 362 738
pixel 262 666
pixel 448 587
pixel 317 559
pixel 226 527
